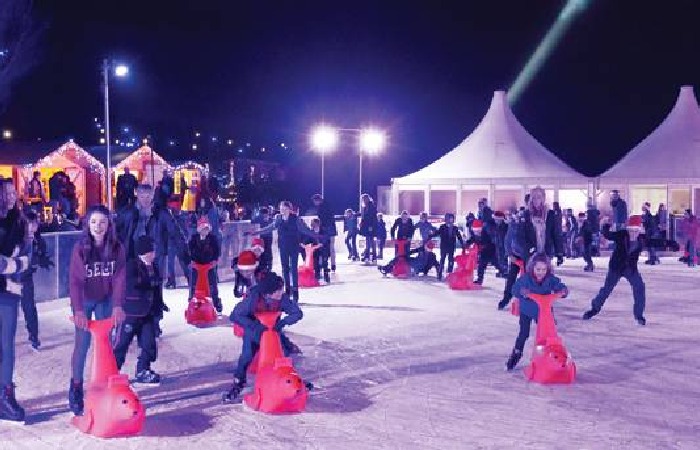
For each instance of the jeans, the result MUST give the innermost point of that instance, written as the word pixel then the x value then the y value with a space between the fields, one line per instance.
pixel 381 242
pixel 524 332
pixel 144 328
pixel 8 330
pixel 351 243
pixel 266 257
pixel 587 254
pixel 485 258
pixel 691 253
pixel 450 256
pixel 638 291
pixel 251 344
pixel 290 266
pixel 370 247
pixel 102 310
pixel 513 274
pixel 213 286
pixel 31 317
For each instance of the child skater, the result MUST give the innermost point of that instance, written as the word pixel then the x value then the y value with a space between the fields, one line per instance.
pixel 267 295
pixel 205 249
pixel 350 223
pixel 97 285
pixel 322 254
pixel 585 239
pixel 629 243
pixel 381 235
pixel 420 259
pixel 143 307
pixel 449 235
pixel 248 267
pixel 538 279
pixel 35 247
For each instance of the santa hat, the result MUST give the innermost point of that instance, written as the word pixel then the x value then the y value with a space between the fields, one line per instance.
pixel 202 223
pixel 247 260
pixel 499 214
pixel 257 243
pixel 634 223
pixel 477 225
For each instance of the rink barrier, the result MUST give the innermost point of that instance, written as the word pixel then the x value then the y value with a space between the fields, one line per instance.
pixel 53 283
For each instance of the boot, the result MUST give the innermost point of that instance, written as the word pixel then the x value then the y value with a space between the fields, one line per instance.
pixel 75 397
pixel 333 268
pixel 171 283
pixel 34 340
pixel 590 313
pixel 218 305
pixel 641 320
pixel 502 304
pixel 10 411
pixel 326 276
pixel 514 359
pixel 233 393
pixel 147 376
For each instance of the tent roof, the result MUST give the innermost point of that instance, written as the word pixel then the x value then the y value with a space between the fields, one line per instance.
pixel 73 152
pixel 672 150
pixel 141 154
pixel 499 147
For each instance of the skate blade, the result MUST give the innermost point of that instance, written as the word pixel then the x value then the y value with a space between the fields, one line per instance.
pixel 13 422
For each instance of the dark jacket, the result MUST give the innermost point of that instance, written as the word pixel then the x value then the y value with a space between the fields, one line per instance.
pixel 144 289
pixel 156 226
pixel 593 218
pixel 549 285
pixel 402 230
pixel 381 230
pixel 585 232
pixel 525 237
pixel 619 210
pixel 204 251
pixel 651 227
pixel 289 231
pixel 350 225
pixel 625 254
pixel 421 260
pixel 325 215
pixel 368 226
pixel 244 312
pixel 449 235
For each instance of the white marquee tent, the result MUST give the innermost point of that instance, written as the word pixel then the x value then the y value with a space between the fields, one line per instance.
pixel 665 166
pixel 500 161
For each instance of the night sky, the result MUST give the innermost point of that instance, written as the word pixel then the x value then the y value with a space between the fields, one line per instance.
pixel 266 72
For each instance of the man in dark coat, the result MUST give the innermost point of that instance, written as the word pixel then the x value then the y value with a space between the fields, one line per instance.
pixel 328 228
pixel 126 186
pixel 449 234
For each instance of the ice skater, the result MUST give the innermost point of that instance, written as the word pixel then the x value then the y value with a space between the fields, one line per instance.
pixel 350 226
pixel 248 268
pixel 421 260
pixel 449 234
pixel 205 249
pixel 629 243
pixel 538 279
pixel 267 296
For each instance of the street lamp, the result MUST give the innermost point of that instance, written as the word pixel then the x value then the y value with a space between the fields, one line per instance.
pixel 372 141
pixel 120 71
pixel 324 139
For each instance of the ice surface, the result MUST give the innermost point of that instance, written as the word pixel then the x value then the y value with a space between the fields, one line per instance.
pixel 403 365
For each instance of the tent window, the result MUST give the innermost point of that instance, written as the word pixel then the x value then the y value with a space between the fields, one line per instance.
pixel 576 199
pixel 641 194
pixel 679 200
pixel 442 202
pixel 412 201
pixel 470 200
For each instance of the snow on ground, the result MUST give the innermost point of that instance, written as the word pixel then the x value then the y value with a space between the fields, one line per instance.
pixel 407 364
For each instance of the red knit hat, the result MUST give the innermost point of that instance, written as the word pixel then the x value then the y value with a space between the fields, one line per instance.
pixel 257 243
pixel 203 222
pixel 247 260
pixel 634 222
pixel 477 225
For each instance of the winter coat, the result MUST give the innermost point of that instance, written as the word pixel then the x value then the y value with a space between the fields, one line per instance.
pixel 96 277
pixel 127 224
pixel 381 230
pixel 619 210
pixel 585 232
pixel 625 254
pixel 651 228
pixel 549 285
pixel 289 231
pixel 402 230
pixel 254 302
pixel 12 236
pixel 144 289
pixel 205 251
pixel 325 215
pixel 593 218
pixel 368 225
pixel 425 229
pixel 350 225
pixel 449 235
pixel 524 241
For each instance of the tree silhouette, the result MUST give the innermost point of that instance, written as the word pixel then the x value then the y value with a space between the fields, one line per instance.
pixel 20 38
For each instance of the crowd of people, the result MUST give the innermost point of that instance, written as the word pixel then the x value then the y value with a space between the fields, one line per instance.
pixel 125 258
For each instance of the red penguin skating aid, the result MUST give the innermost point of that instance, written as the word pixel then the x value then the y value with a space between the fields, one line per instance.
pixel 307 277
pixel 401 269
pixel 200 310
pixel 462 278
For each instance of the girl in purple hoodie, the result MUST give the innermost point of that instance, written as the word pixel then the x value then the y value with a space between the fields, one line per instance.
pixel 97 286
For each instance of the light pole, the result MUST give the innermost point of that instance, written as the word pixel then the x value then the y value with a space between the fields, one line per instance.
pixel 324 139
pixel 372 141
pixel 120 71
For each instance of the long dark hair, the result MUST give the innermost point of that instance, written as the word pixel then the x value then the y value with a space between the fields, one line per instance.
pixel 111 246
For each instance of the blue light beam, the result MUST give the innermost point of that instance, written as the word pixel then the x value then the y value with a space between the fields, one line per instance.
pixel 571 10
